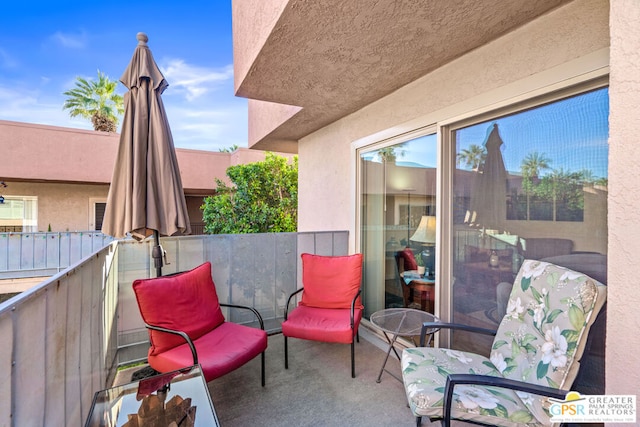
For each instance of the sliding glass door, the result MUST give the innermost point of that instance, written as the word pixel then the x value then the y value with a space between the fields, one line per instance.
pixel 531 184
pixel 529 181
pixel 398 207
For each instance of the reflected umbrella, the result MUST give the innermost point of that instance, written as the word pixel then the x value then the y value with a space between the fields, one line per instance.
pixel 488 204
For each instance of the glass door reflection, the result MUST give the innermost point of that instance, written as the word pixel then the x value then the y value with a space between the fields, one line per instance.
pixel 398 222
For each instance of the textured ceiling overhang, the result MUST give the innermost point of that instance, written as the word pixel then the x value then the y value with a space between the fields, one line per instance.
pixel 330 58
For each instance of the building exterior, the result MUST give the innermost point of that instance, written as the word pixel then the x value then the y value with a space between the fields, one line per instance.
pixel 384 102
pixel 57 179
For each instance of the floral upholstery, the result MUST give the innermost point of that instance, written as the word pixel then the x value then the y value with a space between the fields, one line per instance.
pixel 540 341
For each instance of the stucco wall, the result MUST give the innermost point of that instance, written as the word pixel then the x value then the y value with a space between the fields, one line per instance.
pixel 484 77
pixel 53 153
pixel 66 168
pixel 623 320
pixel 575 34
pixel 66 207
pixel 69 207
pixel 253 21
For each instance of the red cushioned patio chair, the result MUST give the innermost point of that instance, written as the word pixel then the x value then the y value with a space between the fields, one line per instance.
pixel 187 327
pixel 330 309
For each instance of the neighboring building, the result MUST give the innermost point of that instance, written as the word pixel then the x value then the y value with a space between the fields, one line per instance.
pixel 382 101
pixel 58 178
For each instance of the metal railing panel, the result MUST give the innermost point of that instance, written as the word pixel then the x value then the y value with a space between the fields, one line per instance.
pixel 6 338
pixel 28 362
pixel 56 341
pixel 44 254
pixel 258 270
pixel 56 352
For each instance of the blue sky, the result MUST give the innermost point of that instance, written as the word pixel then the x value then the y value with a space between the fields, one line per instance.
pixel 572 133
pixel 45 45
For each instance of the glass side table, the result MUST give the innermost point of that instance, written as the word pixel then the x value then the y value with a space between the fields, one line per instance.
pixel 400 322
pixel 180 396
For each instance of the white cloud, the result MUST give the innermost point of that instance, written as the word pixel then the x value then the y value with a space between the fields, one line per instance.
pixel 193 81
pixel 207 126
pixel 201 108
pixel 30 106
pixel 202 111
pixel 73 41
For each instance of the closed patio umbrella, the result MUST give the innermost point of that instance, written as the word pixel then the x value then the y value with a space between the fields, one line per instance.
pixel 488 204
pixel 146 195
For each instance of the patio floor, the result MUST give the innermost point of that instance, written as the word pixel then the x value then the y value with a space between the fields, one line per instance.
pixel 316 390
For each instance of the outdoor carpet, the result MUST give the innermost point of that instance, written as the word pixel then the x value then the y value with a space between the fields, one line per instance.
pixel 316 390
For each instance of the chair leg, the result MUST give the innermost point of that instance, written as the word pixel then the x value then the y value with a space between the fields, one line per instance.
pixel 263 378
pixel 286 354
pixel 353 362
pixel 418 421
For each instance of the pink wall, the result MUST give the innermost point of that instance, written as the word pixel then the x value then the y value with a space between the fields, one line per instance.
pixel 38 152
pixel 32 152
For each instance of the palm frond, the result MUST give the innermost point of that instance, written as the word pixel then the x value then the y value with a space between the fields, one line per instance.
pixel 95 100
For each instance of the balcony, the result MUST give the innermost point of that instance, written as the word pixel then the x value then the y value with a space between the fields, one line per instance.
pixel 67 337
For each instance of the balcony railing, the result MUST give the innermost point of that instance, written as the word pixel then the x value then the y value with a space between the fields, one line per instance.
pixel 64 338
pixel 45 254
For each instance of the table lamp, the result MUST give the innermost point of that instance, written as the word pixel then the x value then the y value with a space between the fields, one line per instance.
pixel 426 235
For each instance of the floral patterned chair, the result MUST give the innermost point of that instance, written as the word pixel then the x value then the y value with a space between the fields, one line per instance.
pixel 535 354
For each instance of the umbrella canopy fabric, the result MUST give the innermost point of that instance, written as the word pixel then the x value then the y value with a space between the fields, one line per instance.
pixel 146 195
pixel 488 204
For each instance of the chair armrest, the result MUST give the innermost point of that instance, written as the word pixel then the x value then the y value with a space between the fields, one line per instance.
pixel 459 326
pixel 353 307
pixel 246 307
pixel 488 380
pixel 180 333
pixel 286 307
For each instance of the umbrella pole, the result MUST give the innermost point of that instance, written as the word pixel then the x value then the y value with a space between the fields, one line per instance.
pixel 156 253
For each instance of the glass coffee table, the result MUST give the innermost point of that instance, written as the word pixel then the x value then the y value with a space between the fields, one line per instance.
pixel 400 322
pixel 179 397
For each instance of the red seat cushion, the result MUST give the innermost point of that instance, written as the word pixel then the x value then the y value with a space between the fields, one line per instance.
pixel 331 281
pixel 186 301
pixel 321 324
pixel 221 351
pixel 410 262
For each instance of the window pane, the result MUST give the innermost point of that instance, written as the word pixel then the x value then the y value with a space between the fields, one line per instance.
pixel 99 215
pixel 19 214
pixel 12 209
pixel 528 185
pixel 398 190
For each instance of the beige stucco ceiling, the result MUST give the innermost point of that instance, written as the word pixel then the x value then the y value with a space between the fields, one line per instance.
pixel 333 57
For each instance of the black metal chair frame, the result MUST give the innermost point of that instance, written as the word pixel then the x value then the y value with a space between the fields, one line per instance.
pixel 193 347
pixel 352 313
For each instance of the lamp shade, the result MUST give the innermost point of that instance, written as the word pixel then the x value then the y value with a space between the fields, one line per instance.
pixel 426 231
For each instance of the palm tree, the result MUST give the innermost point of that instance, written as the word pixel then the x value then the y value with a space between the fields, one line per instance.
pixel 473 156
pixel 97 101
pixel 231 149
pixel 532 165
pixel 390 154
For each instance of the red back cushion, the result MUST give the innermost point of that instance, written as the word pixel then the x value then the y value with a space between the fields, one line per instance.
pixel 186 301
pixel 331 281
pixel 409 259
